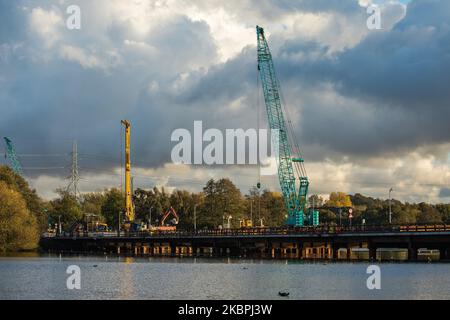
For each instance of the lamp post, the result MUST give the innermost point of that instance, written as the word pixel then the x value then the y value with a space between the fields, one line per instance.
pixel 350 216
pixel 251 211
pixel 118 223
pixel 150 219
pixel 195 217
pixel 390 207
pixel 259 206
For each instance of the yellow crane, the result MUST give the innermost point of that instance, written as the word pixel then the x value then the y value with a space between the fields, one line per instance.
pixel 129 209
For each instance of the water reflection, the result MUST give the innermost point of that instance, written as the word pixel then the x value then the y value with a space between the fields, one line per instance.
pixel 126 279
pixel 111 277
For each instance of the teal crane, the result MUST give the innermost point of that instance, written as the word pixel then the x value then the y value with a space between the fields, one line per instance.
pixel 291 168
pixel 11 154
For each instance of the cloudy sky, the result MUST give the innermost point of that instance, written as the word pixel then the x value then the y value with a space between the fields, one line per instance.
pixel 370 107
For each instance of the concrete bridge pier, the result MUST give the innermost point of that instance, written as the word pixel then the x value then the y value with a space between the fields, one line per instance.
pixel 349 251
pixel 372 253
pixel 217 251
pixel 299 250
pixel 445 253
pixel 145 249
pixel 335 251
pixel 412 251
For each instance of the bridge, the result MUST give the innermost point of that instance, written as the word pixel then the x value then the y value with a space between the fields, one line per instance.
pixel 321 242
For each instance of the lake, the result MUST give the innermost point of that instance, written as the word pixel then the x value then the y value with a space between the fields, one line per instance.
pixel 36 276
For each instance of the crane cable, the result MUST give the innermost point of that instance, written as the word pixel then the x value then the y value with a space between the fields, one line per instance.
pixel 258 122
pixel 300 166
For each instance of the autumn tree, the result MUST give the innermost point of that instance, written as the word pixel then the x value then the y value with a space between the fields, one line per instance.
pixel 18 226
pixel 339 200
pixel 34 203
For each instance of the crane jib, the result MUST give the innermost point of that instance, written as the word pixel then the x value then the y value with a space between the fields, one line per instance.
pixel 290 168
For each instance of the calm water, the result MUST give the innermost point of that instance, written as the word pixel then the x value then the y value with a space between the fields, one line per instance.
pixel 44 277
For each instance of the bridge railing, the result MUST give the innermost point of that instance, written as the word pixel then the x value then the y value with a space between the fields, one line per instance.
pixel 267 231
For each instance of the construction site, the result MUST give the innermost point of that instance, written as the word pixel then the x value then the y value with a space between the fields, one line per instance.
pixel 293 180
pixel 302 235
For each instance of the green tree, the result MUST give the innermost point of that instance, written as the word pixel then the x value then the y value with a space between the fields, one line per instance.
pixel 18 226
pixel 428 214
pixel 272 209
pixel 444 210
pixel 404 214
pixel 67 209
pixel 327 217
pixel 222 199
pixel 113 206
pixel 183 202
pixel 93 202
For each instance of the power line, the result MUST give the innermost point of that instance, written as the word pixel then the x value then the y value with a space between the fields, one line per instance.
pixel 40 154
pixel 43 168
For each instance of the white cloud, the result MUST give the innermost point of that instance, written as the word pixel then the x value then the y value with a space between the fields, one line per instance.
pixel 415 177
pixel 230 32
pixel 46 25
pixel 78 55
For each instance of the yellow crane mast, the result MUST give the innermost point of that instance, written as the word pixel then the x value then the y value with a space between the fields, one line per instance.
pixel 129 209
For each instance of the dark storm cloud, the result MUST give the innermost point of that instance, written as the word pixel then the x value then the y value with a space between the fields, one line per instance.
pixel 45 105
pixel 444 193
pixel 393 86
pixel 391 90
pixel 399 78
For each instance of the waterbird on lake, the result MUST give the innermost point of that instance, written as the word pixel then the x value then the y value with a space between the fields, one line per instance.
pixel 283 293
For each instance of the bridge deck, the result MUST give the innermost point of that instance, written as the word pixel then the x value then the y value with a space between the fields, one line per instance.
pixel 325 240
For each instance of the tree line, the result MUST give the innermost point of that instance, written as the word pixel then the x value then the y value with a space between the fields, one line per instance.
pixel 24 215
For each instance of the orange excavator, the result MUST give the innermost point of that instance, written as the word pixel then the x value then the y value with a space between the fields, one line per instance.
pixel 174 221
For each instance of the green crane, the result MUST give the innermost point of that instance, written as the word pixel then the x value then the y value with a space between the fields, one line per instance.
pixel 291 166
pixel 11 154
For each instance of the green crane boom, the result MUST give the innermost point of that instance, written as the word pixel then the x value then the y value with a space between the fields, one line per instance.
pixel 290 167
pixel 11 154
